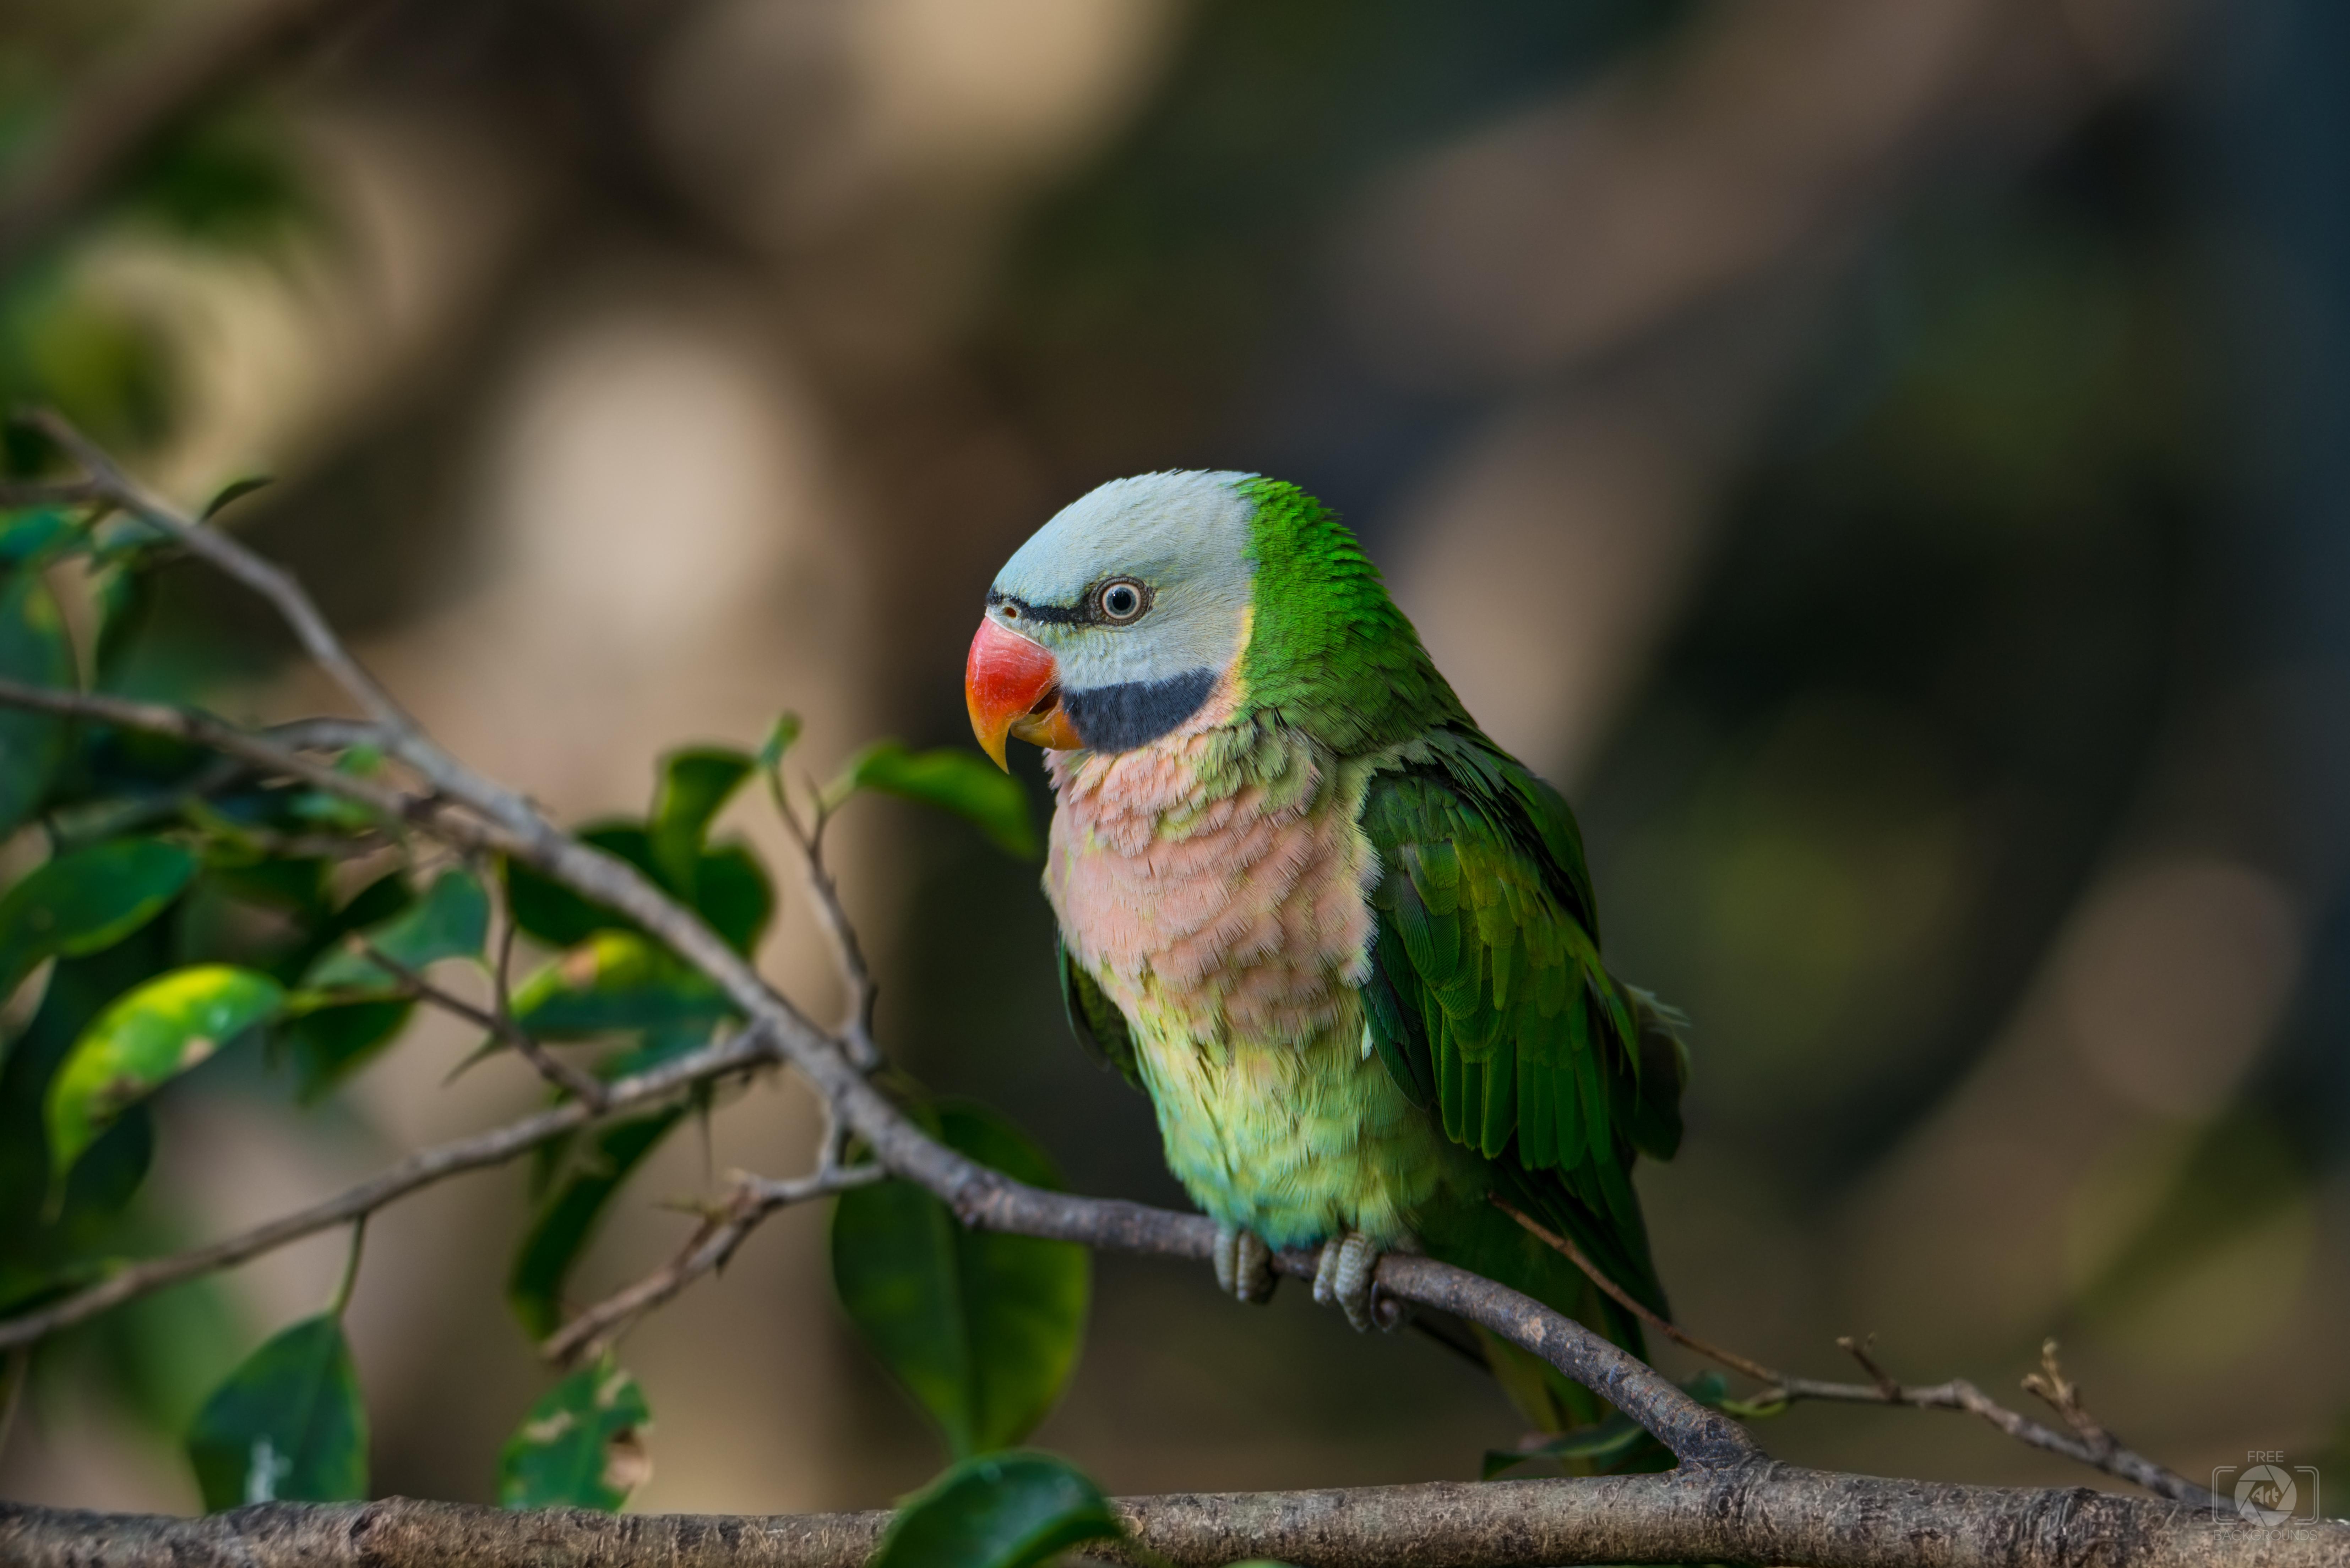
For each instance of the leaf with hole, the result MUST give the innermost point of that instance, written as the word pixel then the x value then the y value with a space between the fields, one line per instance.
pixel 86 901
pixel 145 1039
pixel 566 1217
pixel 288 1426
pixel 998 1511
pixel 451 920
pixel 582 1445
pixel 952 779
pixel 33 651
pixel 981 1328
pixel 614 980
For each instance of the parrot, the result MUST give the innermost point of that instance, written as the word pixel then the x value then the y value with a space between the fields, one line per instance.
pixel 1345 944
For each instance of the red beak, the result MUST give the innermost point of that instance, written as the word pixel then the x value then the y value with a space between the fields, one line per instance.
pixel 1012 687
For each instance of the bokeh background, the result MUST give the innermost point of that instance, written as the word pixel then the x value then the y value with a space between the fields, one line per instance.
pixel 1888 464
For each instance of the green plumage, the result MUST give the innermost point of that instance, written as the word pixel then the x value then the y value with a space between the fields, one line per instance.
pixel 1525 1071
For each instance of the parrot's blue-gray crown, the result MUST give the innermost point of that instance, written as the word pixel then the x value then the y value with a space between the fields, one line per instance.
pixel 1140 591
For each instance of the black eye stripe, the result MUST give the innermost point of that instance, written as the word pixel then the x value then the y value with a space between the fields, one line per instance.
pixel 1090 610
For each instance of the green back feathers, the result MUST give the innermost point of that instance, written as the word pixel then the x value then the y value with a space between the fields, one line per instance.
pixel 1328 651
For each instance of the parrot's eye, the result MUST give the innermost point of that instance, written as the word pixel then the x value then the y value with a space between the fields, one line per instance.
pixel 1122 600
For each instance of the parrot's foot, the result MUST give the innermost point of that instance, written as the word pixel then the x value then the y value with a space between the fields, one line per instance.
pixel 1343 1277
pixel 1244 1265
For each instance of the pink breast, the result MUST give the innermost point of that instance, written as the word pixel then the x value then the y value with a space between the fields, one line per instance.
pixel 1243 911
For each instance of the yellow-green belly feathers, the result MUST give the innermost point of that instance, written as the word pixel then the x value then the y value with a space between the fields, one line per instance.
pixel 1214 885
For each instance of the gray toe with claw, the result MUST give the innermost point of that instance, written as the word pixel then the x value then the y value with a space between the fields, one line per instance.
pixel 1343 1277
pixel 1244 1265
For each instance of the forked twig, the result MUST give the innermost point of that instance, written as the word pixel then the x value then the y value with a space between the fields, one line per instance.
pixel 580 1085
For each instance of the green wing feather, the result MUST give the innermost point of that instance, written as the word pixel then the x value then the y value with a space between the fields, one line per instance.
pixel 1094 1018
pixel 1490 1006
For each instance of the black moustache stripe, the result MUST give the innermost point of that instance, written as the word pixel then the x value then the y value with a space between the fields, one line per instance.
pixel 1135 713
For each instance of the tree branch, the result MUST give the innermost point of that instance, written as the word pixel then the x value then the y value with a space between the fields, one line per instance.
pixel 735 1054
pixel 1757 1511
pixel 2101 1452
pixel 722 1230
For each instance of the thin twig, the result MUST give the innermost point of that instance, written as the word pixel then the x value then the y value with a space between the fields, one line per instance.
pixel 738 1053
pixel 38 492
pixel 751 1199
pixel 1625 1299
pixel 580 1085
pixel 857 1028
pixel 1957 1394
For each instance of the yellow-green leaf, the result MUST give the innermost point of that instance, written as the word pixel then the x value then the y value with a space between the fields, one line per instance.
pixel 146 1038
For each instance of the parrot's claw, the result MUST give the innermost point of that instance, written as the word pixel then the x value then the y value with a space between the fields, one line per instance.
pixel 1342 1278
pixel 1244 1265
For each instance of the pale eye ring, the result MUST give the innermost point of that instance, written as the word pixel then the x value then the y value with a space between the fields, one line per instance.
pixel 1121 601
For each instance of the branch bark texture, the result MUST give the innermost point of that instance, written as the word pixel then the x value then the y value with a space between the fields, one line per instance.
pixel 1754 1512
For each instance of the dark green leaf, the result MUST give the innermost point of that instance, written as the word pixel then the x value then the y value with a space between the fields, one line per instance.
pixel 981 1328
pixel 952 779
pixel 582 1446
pixel 614 980
pixel 998 1511
pixel 561 918
pixel 329 1043
pixel 33 651
pixel 731 891
pixel 695 785
pixel 89 900
pixel 234 491
pixel 287 1425
pixel 780 740
pixel 157 1032
pixel 451 920
pixel 122 598
pixel 566 1217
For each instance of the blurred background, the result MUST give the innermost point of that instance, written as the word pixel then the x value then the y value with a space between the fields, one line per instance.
pixel 1888 463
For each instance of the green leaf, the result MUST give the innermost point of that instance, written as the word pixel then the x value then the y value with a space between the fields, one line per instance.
pixel 329 1043
pixel 89 900
pixel 582 1446
pixel 560 918
pixel 998 1511
pixel 235 490
pixel 952 779
pixel 287 1425
pixel 732 892
pixel 566 1217
pixel 32 535
pixel 780 740
pixel 33 651
pixel 153 1035
pixel 451 920
pixel 614 980
pixel 981 1329
pixel 695 785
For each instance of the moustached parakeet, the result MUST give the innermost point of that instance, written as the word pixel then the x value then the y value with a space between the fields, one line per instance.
pixel 1344 941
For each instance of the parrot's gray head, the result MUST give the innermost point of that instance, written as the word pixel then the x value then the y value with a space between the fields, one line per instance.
pixel 1113 623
